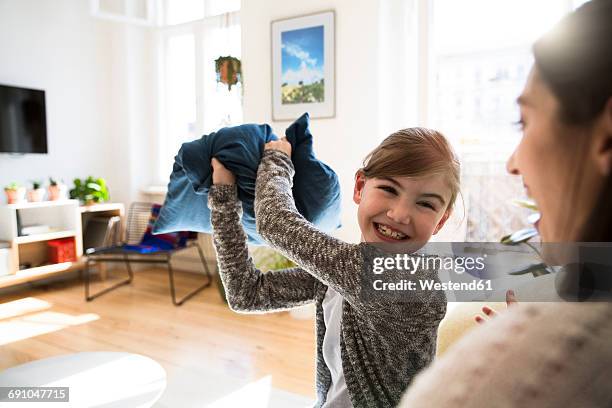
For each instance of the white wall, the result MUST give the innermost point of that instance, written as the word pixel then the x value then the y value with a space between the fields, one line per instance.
pixel 101 102
pixel 363 97
pixel 100 109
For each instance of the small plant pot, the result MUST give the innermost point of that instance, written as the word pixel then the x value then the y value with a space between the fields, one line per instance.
pixel 57 192
pixel 14 196
pixel 35 196
pixel 54 193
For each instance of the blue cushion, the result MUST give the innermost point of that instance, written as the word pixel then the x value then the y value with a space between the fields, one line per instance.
pixel 315 185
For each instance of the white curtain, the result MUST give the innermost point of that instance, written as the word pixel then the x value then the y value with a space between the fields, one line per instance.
pixel 220 36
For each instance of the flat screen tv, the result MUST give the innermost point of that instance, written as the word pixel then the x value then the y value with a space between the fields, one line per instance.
pixel 23 120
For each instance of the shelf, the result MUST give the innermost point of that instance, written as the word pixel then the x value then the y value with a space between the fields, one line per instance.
pixel 101 207
pixel 41 204
pixel 39 272
pixel 44 237
pixel 64 217
pixel 154 190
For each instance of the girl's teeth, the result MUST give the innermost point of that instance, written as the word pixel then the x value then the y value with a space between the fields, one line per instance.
pixel 388 232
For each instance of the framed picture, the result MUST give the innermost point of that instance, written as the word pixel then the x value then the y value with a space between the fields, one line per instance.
pixel 303 67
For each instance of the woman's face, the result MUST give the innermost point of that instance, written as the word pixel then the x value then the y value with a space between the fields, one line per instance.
pixel 554 162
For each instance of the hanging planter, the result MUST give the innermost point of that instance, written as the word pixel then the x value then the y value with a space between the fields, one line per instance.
pixel 229 71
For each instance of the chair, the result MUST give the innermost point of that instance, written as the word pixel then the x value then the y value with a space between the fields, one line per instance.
pixel 141 246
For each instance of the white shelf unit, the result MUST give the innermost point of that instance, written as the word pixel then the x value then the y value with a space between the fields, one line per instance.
pixel 64 220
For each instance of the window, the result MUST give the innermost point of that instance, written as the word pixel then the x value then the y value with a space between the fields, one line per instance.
pixel 183 11
pixel 479 59
pixel 179 91
pixel 192 103
pixel 139 12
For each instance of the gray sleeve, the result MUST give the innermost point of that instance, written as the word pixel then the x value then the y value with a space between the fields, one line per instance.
pixel 333 262
pixel 247 288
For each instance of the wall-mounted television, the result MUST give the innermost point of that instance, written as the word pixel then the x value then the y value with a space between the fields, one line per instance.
pixel 23 120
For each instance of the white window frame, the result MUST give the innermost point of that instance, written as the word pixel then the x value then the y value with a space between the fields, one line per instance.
pixel 163 35
pixel 150 19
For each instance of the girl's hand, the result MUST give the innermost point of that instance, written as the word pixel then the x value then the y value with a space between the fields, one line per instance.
pixel 490 312
pixel 282 145
pixel 221 175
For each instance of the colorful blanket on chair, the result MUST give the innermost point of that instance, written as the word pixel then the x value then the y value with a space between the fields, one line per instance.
pixel 159 242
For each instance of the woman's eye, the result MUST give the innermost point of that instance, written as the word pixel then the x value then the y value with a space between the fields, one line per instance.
pixel 388 189
pixel 520 124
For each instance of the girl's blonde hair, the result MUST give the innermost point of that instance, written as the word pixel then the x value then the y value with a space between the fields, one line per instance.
pixel 415 152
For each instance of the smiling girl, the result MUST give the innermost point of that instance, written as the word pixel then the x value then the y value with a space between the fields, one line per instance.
pixel 367 352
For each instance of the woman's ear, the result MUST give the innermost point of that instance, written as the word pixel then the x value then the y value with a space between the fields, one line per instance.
pixel 359 184
pixel 603 147
pixel 442 221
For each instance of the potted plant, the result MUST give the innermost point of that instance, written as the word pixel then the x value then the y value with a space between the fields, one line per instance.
pixel 90 190
pixel 56 190
pixel 37 193
pixel 15 193
pixel 229 71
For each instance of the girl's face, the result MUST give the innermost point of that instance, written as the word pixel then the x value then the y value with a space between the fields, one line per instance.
pixel 561 165
pixel 401 209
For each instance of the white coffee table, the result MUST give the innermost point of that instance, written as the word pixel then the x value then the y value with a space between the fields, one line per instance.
pixel 95 379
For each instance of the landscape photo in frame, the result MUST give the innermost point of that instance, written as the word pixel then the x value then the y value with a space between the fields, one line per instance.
pixel 303 67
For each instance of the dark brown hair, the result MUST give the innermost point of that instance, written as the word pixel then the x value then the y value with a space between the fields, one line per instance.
pixel 575 61
pixel 415 152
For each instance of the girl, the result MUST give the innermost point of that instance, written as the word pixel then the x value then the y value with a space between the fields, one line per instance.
pixel 366 353
pixel 550 354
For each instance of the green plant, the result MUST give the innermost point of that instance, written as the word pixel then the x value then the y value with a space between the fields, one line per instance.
pixel 14 186
pixel 53 182
pixel 90 190
pixel 36 184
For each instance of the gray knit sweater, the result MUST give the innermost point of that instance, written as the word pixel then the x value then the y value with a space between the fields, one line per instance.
pixel 383 344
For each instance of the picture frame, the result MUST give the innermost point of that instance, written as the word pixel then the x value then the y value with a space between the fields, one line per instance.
pixel 303 66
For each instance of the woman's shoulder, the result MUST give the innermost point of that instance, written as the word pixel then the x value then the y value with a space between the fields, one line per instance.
pixel 533 355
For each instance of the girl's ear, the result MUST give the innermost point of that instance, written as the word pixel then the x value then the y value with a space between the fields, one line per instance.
pixel 442 221
pixel 359 184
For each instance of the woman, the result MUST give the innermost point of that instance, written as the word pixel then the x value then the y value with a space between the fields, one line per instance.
pixel 549 354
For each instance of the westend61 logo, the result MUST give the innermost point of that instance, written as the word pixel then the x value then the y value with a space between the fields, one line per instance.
pixel 413 263
pixel 476 271
pixel 427 265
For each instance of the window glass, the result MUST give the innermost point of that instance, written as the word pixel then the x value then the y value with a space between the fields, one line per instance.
pixel 180 98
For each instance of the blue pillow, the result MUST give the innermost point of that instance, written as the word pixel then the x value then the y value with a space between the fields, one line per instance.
pixel 315 185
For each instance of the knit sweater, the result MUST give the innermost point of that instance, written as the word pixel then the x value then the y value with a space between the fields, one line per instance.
pixel 544 355
pixel 383 344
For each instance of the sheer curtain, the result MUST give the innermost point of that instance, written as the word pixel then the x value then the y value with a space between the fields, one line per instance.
pixel 191 101
pixel 458 67
pixel 220 106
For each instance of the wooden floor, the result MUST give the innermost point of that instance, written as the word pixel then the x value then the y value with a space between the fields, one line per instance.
pixel 200 341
